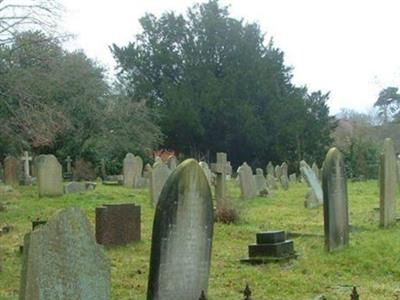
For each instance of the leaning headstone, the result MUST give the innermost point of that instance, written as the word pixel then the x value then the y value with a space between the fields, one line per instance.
pixel 117 224
pixel 206 170
pixel 158 177
pixel 270 169
pixel 11 170
pixel 220 169
pixel 388 184
pixel 336 215
pixel 61 260
pixel 247 182
pixel 182 236
pixel 49 176
pixel 285 169
pixel 316 170
pixel 172 162
pixel 312 180
pixel 311 200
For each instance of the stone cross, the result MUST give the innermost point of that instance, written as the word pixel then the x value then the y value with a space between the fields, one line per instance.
pixel 182 236
pixel 220 168
pixel 336 214
pixel 69 161
pixel 26 159
pixel 388 184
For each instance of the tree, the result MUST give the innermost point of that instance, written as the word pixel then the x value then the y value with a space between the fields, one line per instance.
pixel 217 86
pixel 17 16
pixel 388 103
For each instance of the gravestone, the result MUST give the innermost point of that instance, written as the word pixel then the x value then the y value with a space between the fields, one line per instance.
pixel 172 162
pixel 311 200
pixel 11 170
pixel 284 182
pixel 271 182
pixel 312 180
pixel 79 187
pixel 182 236
pixel 27 175
pixel 336 216
pixel 206 170
pixel 270 169
pixel 293 178
pixel 316 170
pixel 158 177
pixel 61 260
pixel 261 182
pixel 270 246
pixel 132 170
pixel 285 169
pixel 247 182
pixel 278 172
pixel 117 224
pixel 229 170
pixel 220 169
pixel 49 176
pixel 68 173
pixel 388 184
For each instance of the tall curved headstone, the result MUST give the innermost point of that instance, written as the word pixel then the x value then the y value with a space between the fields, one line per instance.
pixel 388 184
pixel 49 176
pixel 182 236
pixel 336 215
pixel 11 170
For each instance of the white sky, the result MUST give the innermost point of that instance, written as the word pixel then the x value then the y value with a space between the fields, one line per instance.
pixel 348 47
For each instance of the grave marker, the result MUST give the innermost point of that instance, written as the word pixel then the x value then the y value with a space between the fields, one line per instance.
pixel 49 176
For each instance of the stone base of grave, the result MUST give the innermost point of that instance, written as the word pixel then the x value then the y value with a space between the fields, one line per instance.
pixel 271 246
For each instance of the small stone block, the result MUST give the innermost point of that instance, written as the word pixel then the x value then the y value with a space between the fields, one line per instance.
pixel 282 249
pixel 270 237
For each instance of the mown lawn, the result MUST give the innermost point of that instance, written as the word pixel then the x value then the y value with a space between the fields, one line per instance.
pixel 371 262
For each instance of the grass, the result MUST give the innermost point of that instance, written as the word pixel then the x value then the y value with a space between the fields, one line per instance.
pixel 371 262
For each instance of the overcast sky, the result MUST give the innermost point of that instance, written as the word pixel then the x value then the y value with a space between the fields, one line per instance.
pixel 350 48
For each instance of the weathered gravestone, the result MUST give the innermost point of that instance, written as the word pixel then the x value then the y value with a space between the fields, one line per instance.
pixel 247 182
pixel 79 187
pixel 278 172
pixel 285 169
pixel 270 169
pixel 61 260
pixel 284 182
pixel 316 170
pixel 271 182
pixel 172 162
pixel 229 170
pixel 158 177
pixel 206 170
pixel 27 175
pixel 117 224
pixel 182 236
pixel 49 176
pixel 11 170
pixel 313 182
pixel 336 215
pixel 132 170
pixel 388 184
pixel 293 178
pixel 220 169
pixel 261 182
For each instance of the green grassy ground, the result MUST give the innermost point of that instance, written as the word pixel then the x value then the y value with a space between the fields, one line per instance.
pixel 371 262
